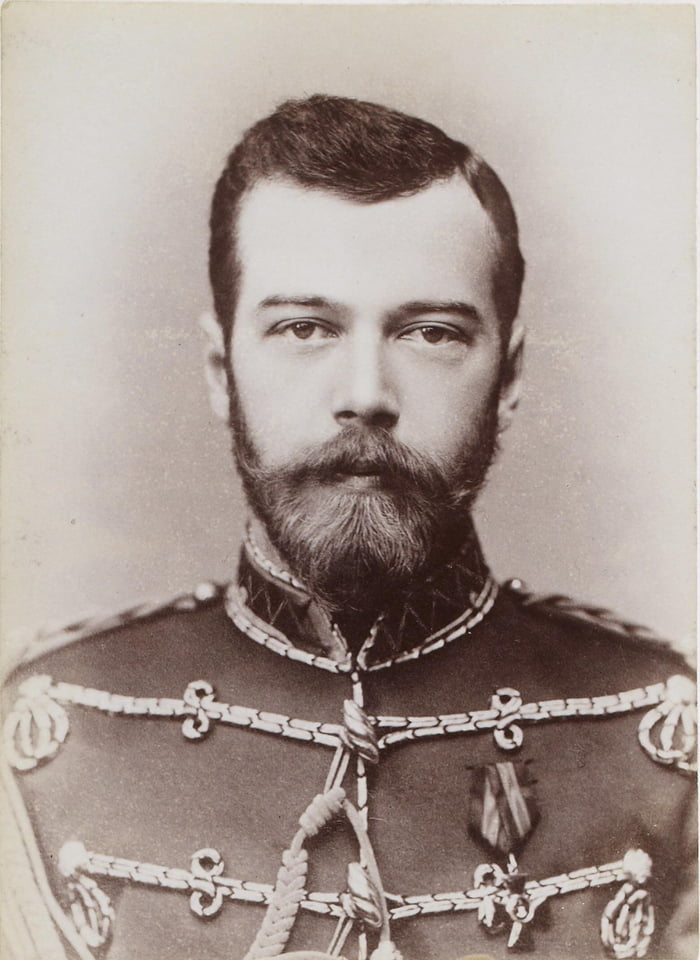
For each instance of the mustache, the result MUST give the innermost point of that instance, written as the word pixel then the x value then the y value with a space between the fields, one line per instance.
pixel 363 451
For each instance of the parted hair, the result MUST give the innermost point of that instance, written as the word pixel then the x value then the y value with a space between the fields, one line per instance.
pixel 362 152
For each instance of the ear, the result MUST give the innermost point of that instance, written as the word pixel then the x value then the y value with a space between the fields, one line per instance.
pixel 511 377
pixel 215 365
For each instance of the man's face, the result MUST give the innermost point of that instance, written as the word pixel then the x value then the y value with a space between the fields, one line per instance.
pixel 362 327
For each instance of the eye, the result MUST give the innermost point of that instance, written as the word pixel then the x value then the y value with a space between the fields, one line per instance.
pixel 434 334
pixel 302 329
pixel 437 334
pixel 306 330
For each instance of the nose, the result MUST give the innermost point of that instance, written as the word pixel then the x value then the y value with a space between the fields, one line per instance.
pixel 364 390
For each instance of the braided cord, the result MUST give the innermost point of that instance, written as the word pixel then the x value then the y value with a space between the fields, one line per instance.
pixel 330 904
pixel 277 573
pixel 245 620
pixel 291 878
pixel 563 606
pixel 37 725
pixel 252 627
pixel 469 619
pixel 198 703
pixel 507 709
pixel 54 636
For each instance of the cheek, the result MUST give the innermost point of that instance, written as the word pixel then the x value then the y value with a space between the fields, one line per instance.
pixel 443 416
pixel 281 414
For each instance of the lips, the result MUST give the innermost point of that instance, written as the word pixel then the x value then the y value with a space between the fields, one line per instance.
pixel 360 476
pixel 360 481
pixel 368 470
pixel 360 465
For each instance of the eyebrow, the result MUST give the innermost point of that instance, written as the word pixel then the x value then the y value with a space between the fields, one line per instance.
pixel 461 308
pixel 310 302
pixel 411 309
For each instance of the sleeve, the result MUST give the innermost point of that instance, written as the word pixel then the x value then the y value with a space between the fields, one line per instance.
pixel 680 937
pixel 33 926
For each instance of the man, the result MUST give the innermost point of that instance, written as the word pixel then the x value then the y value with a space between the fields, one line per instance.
pixel 385 754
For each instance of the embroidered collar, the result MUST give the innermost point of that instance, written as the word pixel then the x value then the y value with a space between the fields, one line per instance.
pixel 273 608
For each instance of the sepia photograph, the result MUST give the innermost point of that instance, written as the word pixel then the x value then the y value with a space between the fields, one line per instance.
pixel 348 495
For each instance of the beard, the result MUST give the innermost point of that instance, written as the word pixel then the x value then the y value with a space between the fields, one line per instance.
pixel 351 547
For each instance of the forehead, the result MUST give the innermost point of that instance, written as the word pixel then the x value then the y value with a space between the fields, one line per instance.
pixel 436 243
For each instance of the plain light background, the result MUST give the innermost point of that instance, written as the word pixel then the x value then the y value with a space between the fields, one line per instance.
pixel 117 481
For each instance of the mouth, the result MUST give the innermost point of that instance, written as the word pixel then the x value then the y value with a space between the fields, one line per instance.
pixel 360 481
pixel 360 476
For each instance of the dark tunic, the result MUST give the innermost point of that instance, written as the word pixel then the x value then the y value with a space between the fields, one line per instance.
pixel 447 794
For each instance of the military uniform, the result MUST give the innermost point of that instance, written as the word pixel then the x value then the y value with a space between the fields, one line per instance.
pixel 486 774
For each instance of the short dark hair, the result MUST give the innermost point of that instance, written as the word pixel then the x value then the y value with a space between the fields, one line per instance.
pixel 363 152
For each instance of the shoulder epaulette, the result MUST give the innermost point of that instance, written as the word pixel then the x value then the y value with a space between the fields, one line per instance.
pixel 558 605
pixel 50 638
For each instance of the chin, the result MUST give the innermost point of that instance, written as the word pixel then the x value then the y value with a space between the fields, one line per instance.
pixel 349 542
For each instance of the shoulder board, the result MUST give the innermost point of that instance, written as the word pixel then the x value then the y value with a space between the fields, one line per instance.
pixel 557 605
pixel 50 638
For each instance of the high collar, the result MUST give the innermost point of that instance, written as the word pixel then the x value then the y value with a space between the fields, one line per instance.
pixel 274 608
